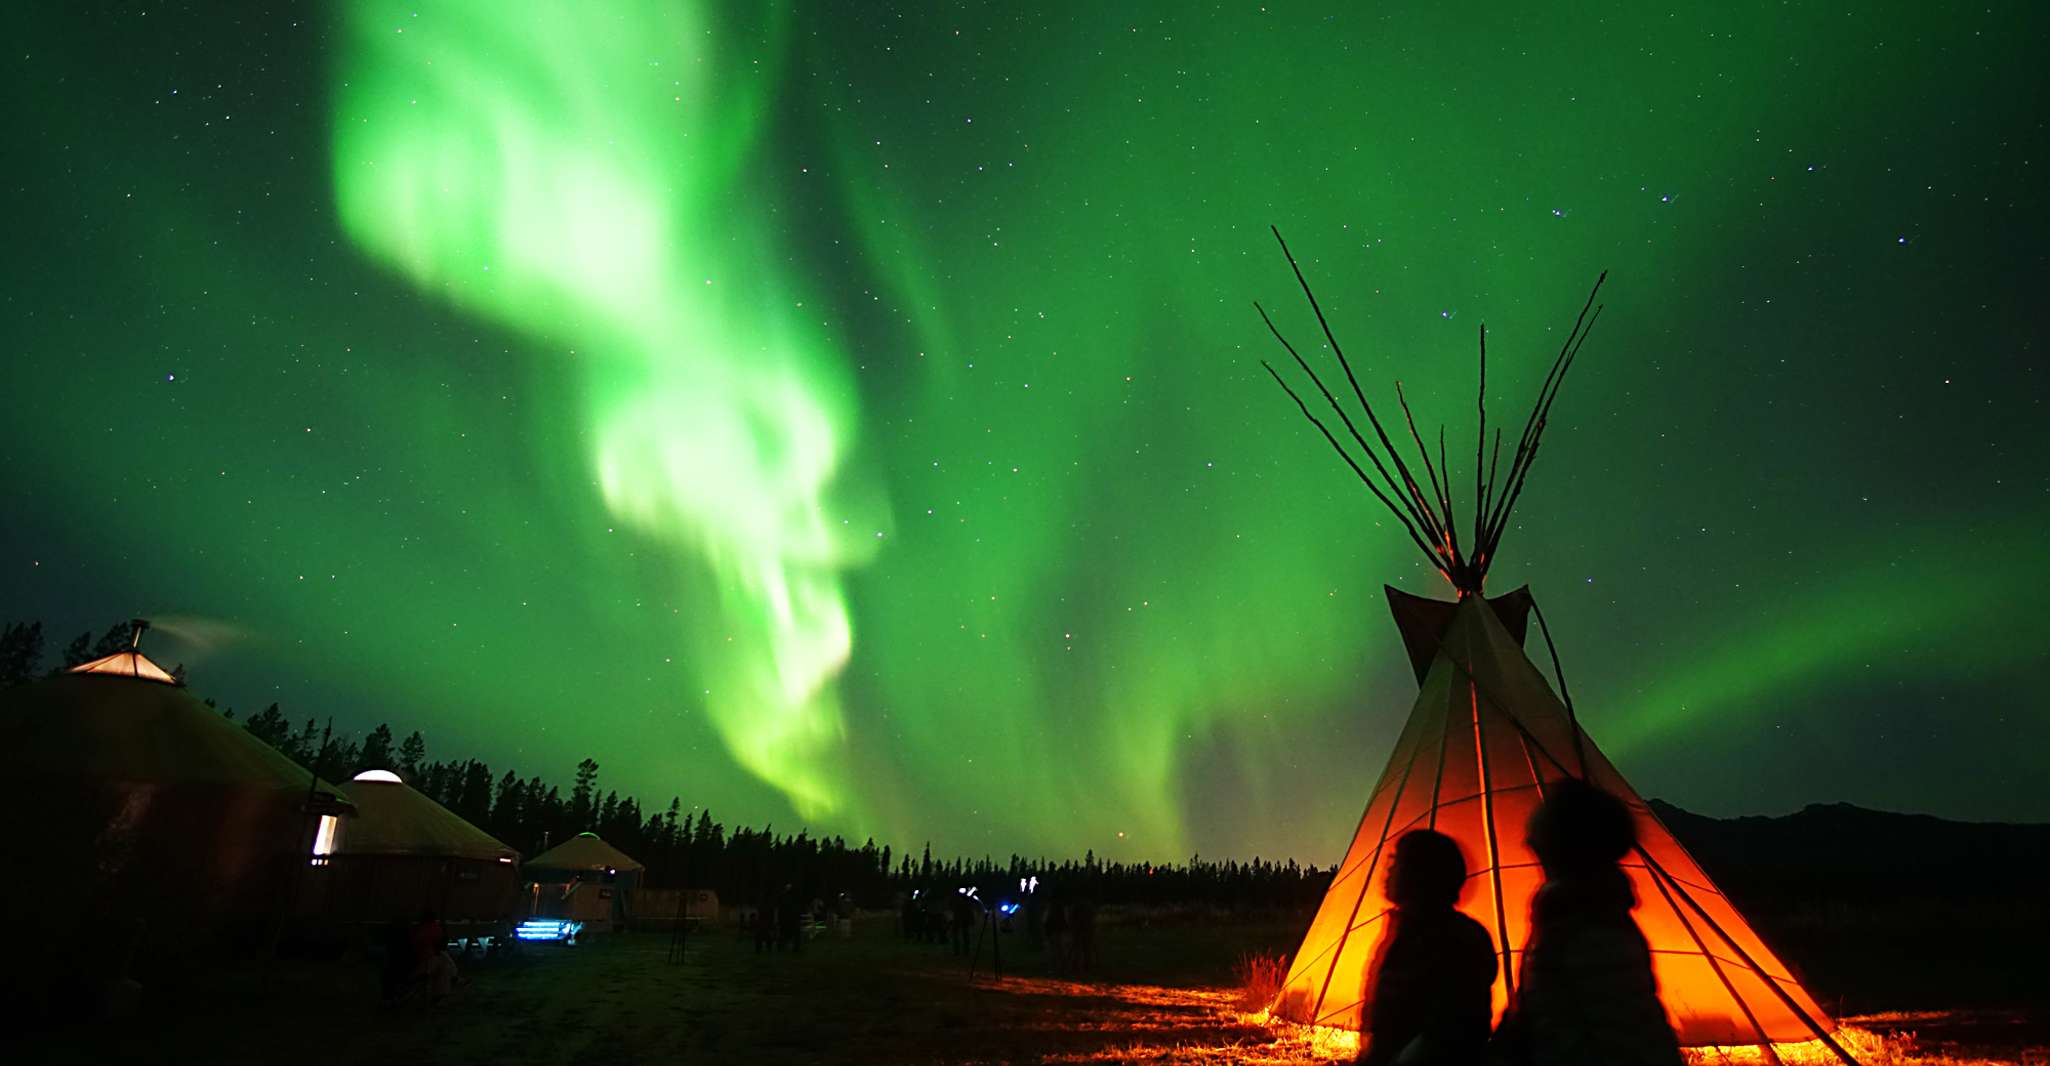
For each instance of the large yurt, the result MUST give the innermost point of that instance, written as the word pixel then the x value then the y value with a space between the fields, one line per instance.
pixel 583 879
pixel 155 822
pixel 403 853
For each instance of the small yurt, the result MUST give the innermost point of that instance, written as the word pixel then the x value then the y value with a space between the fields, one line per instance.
pixel 150 812
pixel 403 853
pixel 583 879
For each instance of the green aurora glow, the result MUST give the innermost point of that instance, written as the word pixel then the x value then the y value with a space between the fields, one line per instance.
pixel 855 418
pixel 555 174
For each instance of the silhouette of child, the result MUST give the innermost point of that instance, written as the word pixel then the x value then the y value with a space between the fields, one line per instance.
pixel 1585 991
pixel 1429 988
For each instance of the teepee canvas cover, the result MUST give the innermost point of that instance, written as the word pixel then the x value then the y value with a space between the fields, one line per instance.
pixel 1485 738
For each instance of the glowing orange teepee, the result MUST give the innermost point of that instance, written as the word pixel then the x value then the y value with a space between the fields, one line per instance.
pixel 1486 738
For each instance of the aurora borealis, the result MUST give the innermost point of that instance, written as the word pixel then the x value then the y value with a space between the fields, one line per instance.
pixel 852 416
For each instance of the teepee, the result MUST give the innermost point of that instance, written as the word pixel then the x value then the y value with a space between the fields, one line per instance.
pixel 1485 738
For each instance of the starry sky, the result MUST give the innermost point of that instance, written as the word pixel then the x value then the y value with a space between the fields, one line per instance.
pixel 851 415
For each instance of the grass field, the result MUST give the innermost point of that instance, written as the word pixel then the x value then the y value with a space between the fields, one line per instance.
pixel 1161 993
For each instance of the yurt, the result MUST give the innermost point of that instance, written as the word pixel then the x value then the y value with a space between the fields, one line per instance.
pixel 583 879
pixel 151 812
pixel 404 853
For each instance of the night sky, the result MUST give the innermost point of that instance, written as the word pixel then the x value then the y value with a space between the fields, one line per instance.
pixel 855 419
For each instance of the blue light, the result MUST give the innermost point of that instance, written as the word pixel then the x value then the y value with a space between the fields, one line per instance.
pixel 548 929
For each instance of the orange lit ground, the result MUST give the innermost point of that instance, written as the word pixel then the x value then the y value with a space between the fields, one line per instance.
pixel 1162 995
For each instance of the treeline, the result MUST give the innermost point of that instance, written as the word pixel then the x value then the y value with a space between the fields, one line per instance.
pixel 686 846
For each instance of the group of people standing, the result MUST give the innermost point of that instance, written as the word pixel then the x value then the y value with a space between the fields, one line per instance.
pixel 1584 992
pixel 1069 926
pixel 1064 926
pixel 784 921
pixel 942 918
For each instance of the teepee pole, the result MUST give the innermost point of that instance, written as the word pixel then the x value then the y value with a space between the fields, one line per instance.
pixel 1451 519
pixel 1409 506
pixel 1480 745
pixel 1658 881
pixel 1372 457
pixel 1660 871
pixel 1438 780
pixel 1347 456
pixel 1366 883
pixel 1770 981
pixel 1443 503
pixel 1480 448
pixel 1374 420
pixel 1565 696
pixel 1534 424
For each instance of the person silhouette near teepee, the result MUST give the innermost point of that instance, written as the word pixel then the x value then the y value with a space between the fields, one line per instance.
pixel 1585 992
pixel 1431 984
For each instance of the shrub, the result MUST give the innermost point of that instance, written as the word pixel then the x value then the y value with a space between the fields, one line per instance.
pixel 1259 977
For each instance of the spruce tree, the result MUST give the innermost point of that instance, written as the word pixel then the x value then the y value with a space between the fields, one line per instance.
pixel 117 638
pixel 304 746
pixel 412 753
pixel 505 807
pixel 21 652
pixel 78 652
pixel 580 809
pixel 377 753
pixel 473 798
pixel 270 726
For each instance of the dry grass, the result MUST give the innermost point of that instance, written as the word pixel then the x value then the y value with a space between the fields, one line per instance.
pixel 1873 1040
pixel 1871 1047
pixel 1260 977
pixel 1871 1044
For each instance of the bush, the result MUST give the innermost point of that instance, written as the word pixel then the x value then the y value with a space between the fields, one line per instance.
pixel 1259 979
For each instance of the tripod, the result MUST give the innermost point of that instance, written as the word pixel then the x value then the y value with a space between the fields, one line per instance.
pixel 679 934
pixel 989 929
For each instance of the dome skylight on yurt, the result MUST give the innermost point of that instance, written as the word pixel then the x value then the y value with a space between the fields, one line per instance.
pixel 379 775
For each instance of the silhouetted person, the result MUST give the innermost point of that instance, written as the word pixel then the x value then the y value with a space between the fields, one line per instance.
pixel 790 919
pixel 961 921
pixel 764 926
pixel 1430 988
pixel 396 976
pixel 1035 921
pixel 432 967
pixel 1081 935
pixel 1585 992
pixel 1057 933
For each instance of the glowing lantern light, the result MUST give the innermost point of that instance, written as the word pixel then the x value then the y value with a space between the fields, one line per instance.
pixel 324 840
